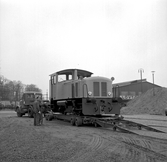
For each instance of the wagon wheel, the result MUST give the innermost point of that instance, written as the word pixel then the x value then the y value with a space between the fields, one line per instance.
pixel 78 121
pixel 95 124
pixel 139 127
pixel 72 121
pixel 30 114
pixel 50 117
pixel 114 128
pixel 46 117
pixel 19 114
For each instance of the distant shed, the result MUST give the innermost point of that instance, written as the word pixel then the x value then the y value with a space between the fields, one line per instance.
pixel 131 89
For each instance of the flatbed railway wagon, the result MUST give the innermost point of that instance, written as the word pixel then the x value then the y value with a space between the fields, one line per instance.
pixel 80 98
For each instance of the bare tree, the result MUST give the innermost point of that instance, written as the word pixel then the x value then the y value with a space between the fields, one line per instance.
pixel 13 90
pixel 3 89
pixel 32 87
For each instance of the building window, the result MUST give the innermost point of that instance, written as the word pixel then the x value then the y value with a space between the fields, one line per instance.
pixel 124 94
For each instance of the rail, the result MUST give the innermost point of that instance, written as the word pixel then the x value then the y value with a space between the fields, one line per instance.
pixel 124 125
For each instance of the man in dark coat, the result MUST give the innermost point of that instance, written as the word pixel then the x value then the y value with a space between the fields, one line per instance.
pixel 41 111
pixel 36 110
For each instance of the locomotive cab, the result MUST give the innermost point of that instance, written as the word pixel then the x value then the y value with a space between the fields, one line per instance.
pixel 62 83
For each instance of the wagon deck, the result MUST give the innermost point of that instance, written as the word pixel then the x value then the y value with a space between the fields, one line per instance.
pixel 116 123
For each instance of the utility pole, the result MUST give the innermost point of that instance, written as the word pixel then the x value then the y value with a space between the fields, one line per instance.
pixel 153 82
pixel 141 71
pixel 46 94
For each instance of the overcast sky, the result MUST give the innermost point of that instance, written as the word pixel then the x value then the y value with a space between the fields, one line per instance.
pixel 107 37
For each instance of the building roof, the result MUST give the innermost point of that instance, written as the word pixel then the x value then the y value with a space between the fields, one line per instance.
pixel 132 82
pixel 128 82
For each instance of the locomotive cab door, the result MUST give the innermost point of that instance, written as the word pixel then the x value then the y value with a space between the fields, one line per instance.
pixel 73 90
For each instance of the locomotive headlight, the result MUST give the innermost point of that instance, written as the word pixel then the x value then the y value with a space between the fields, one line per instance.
pixel 89 93
pixel 109 93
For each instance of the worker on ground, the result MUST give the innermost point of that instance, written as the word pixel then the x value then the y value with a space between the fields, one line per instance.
pixel 36 110
pixel 41 111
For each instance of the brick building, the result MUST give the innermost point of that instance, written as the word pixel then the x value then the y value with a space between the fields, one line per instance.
pixel 131 89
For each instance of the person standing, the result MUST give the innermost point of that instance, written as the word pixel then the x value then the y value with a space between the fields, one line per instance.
pixel 36 110
pixel 41 114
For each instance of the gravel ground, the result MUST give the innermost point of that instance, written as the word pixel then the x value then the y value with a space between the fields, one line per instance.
pixel 20 143
pixel 60 142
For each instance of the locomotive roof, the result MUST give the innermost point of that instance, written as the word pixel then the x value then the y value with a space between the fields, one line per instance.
pixel 80 72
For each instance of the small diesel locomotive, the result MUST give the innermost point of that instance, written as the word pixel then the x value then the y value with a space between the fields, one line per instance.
pixel 76 92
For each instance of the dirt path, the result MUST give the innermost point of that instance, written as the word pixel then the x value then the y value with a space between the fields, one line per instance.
pixel 59 141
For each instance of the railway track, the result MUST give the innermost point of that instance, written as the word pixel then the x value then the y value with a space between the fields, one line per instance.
pixel 154 121
pixel 126 126
pixel 149 118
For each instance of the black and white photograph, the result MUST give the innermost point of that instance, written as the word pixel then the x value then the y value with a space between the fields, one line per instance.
pixel 83 80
